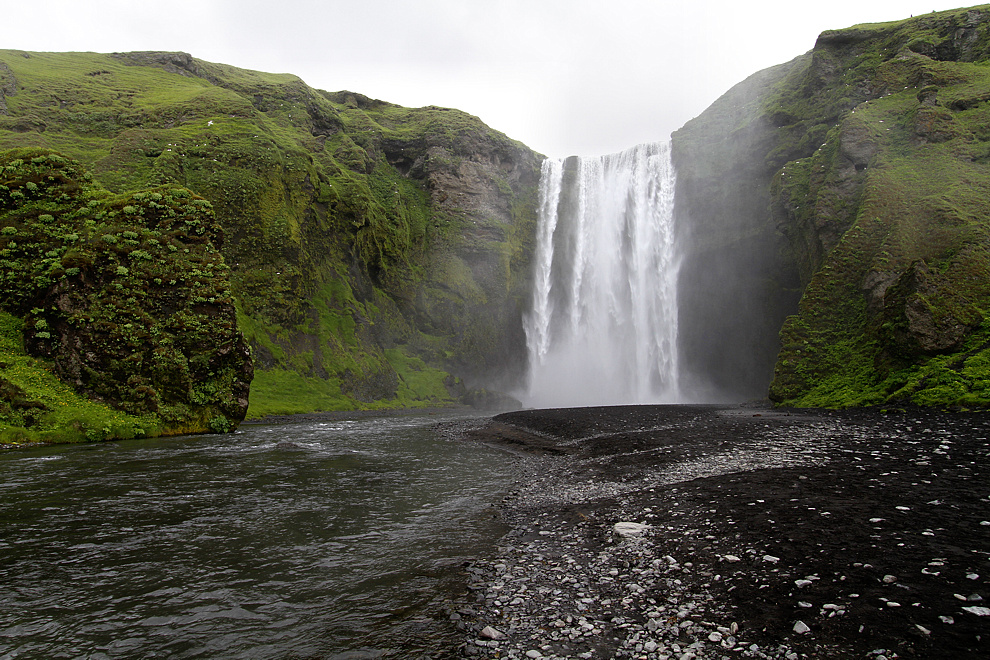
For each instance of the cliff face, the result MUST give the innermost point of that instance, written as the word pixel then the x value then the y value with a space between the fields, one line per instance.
pixel 736 283
pixel 857 175
pixel 378 255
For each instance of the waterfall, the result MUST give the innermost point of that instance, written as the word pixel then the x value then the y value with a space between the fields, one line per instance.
pixel 603 324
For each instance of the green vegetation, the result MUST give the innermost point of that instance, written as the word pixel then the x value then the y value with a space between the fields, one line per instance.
pixel 126 295
pixel 843 198
pixel 889 218
pixel 331 210
pixel 35 406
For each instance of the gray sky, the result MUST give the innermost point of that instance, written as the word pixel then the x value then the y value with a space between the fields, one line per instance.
pixel 563 76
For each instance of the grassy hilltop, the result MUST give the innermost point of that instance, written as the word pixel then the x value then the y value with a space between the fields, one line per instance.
pixel 376 255
pixel 856 177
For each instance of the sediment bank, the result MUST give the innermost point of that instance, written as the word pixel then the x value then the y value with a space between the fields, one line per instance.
pixel 767 534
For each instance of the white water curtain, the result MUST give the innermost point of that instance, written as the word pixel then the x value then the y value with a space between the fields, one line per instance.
pixel 603 324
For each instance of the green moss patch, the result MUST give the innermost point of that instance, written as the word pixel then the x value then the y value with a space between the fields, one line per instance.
pixel 35 406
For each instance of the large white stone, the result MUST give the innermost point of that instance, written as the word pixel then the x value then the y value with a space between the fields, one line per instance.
pixel 490 633
pixel 629 529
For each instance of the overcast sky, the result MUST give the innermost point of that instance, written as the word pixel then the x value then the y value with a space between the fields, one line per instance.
pixel 563 76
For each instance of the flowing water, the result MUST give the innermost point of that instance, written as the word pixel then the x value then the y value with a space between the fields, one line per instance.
pixel 603 325
pixel 318 539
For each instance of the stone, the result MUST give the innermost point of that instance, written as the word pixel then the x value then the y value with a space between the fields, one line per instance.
pixel 800 627
pixel 629 529
pixel 491 633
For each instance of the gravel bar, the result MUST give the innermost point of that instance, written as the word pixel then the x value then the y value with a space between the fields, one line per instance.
pixel 693 532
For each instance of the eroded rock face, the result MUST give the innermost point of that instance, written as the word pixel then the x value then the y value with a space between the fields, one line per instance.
pixel 8 86
pixel 924 313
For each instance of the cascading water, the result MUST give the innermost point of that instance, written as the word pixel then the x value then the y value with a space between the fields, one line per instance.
pixel 603 325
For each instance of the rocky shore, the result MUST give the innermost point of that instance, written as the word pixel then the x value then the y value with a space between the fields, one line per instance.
pixel 755 533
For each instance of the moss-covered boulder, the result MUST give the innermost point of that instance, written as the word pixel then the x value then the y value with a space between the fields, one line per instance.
pixel 125 297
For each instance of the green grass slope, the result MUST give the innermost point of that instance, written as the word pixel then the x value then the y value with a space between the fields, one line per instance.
pixel 361 236
pixel 888 217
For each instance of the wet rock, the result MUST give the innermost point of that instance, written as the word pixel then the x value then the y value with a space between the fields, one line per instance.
pixel 490 633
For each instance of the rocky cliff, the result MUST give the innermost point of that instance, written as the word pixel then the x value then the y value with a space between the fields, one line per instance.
pixel 377 254
pixel 855 177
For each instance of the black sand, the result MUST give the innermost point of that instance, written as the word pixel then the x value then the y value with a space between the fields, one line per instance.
pixel 871 528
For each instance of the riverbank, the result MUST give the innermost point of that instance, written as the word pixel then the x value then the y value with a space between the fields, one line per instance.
pixel 766 534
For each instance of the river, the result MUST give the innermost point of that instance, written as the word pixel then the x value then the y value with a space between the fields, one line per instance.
pixel 333 538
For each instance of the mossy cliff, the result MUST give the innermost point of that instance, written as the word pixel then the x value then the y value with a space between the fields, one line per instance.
pixel 378 254
pixel 858 176
pixel 123 297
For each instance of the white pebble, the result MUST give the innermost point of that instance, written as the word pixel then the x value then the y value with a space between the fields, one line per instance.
pixel 629 529
pixel 801 627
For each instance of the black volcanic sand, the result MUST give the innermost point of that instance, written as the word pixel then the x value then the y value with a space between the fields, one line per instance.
pixel 871 528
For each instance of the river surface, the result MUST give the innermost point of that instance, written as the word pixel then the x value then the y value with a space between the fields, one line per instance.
pixel 343 544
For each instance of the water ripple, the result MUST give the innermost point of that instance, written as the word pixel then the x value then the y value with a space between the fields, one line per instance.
pixel 242 545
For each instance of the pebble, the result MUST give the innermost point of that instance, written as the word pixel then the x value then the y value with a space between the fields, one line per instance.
pixel 801 628
pixel 629 529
